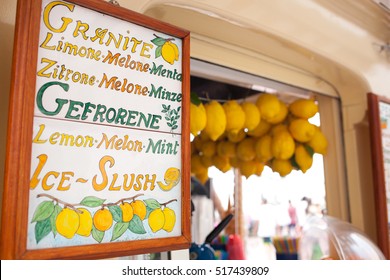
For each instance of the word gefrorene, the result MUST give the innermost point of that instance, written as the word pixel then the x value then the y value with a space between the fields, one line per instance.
pixel 79 29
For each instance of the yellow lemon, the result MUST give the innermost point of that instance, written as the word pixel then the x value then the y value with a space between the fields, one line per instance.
pixel 170 219
pixel 252 115
pixel 234 162
pixel 170 52
pixel 156 220
pixel 261 129
pixel 67 222
pixel 282 166
pixel 236 137
pixel 246 149
pixel 269 105
pixel 263 148
pixel 303 108
pixel 197 118
pixel 198 142
pixel 203 176
pixel 303 158
pixel 206 161
pixel 301 130
pixel 259 167
pixel 139 208
pixel 208 148
pixel 281 115
pixel 222 163
pixel 318 142
pixel 216 120
pixel 85 227
pixel 102 219
pixel 278 128
pixel 235 116
pixel 283 145
pixel 196 164
pixel 226 149
pixel 127 212
pixel 247 168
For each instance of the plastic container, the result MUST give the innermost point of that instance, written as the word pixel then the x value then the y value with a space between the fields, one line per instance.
pixel 330 238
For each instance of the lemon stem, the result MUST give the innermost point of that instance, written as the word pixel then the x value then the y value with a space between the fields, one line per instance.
pixel 166 203
pixel 122 200
pixel 60 201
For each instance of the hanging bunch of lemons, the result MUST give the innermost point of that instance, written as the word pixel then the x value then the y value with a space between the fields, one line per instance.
pixel 249 136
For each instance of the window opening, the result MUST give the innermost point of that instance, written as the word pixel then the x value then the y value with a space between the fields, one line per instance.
pixel 305 191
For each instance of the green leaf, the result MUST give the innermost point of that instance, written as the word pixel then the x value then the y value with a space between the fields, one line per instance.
pixel 119 230
pixel 152 203
pixel 42 229
pixel 136 225
pixel 53 217
pixel 309 150
pixel 92 201
pixel 170 125
pixel 158 52
pixel 116 212
pixel 178 109
pixel 43 211
pixel 294 163
pixel 97 234
pixel 195 99
pixel 159 41
pixel 174 127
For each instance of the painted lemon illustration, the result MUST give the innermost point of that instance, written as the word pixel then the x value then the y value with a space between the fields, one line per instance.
pixel 170 219
pixel 85 227
pixel 156 219
pixel 102 220
pixel 67 222
pixel 171 178
pixel 170 52
pixel 127 211
pixel 139 208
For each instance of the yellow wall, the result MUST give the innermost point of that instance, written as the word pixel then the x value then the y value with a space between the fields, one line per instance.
pixel 328 46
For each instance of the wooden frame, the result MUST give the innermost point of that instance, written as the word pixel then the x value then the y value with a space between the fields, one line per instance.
pixel 381 179
pixel 20 134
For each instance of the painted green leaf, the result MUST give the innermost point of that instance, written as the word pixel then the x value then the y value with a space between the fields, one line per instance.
pixel 159 41
pixel 42 229
pixel 174 127
pixel 43 211
pixel 116 212
pixel 152 203
pixel 53 217
pixel 119 230
pixel 148 210
pixel 97 234
pixel 92 201
pixel 136 225
pixel 158 52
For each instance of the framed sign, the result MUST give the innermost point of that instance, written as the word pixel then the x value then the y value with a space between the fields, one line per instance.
pixel 98 143
pixel 379 117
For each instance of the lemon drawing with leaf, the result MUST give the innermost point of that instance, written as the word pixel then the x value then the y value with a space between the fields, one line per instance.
pixel 167 49
pixel 171 178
